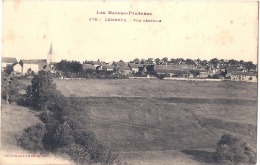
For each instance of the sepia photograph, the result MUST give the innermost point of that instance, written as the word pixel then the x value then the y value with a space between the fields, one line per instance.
pixel 129 82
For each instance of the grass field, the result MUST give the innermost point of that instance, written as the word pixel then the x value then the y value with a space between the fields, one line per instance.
pixel 176 120
pixel 157 88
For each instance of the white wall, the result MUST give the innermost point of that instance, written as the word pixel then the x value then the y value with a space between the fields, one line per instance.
pixel 33 67
pixel 18 68
pixel 5 64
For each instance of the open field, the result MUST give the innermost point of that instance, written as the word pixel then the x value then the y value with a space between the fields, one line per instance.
pixel 143 116
pixel 134 124
pixel 152 120
pixel 155 88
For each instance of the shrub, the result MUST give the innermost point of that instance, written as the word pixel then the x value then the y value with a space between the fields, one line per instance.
pixel 76 152
pixel 9 69
pixel 32 137
pixel 9 88
pixel 233 150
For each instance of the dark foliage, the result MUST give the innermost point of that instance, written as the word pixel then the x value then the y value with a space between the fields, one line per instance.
pixel 233 150
pixel 161 76
pixel 9 69
pixel 9 88
pixel 195 73
pixel 42 91
pixel 65 127
pixel 32 137
pixel 69 66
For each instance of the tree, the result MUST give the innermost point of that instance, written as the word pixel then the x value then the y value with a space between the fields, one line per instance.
pixel 174 61
pixel 150 61
pixel 180 60
pixel 9 69
pixel 157 61
pixel 195 73
pixel 42 90
pixel 214 61
pixel 69 66
pixel 189 61
pixel 165 59
pixel 142 61
pixel 222 61
pixel 231 149
pixel 233 62
pixel 136 61
pixel 198 61
pixel 9 88
pixel 249 65
pixel 204 63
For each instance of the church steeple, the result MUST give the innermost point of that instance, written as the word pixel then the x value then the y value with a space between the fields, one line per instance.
pixel 50 51
pixel 49 56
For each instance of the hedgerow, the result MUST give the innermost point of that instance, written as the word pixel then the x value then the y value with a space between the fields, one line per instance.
pixel 64 131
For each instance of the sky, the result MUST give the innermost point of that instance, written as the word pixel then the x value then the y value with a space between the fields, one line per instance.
pixel 205 30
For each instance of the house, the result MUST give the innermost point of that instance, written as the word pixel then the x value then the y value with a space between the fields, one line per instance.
pixel 135 67
pixel 33 65
pixel 219 69
pixel 107 67
pixel 122 68
pixel 204 75
pixel 164 69
pixel 230 69
pixel 89 67
pixel 18 68
pixel 172 70
pixel 243 76
pixel 99 65
pixel 8 61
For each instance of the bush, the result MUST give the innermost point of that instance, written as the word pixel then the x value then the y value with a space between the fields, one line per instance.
pixel 32 138
pixel 9 69
pixel 233 150
pixel 9 88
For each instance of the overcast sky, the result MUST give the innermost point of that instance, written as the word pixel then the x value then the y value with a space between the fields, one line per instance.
pixel 188 30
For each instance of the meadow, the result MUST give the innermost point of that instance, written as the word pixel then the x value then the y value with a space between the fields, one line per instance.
pixel 173 121
pixel 143 116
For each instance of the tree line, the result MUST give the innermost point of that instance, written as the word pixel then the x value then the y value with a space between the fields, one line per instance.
pixel 188 61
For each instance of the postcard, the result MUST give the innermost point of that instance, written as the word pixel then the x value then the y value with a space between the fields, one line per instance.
pixel 129 82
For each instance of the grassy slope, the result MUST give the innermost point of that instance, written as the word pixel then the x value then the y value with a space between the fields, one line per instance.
pixel 151 124
pixel 13 120
pixel 137 117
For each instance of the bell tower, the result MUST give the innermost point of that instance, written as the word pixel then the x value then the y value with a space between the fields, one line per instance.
pixel 49 55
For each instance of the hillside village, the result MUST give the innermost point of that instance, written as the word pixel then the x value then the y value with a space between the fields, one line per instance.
pixel 150 68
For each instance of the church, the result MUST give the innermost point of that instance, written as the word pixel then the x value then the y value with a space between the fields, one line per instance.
pixel 26 67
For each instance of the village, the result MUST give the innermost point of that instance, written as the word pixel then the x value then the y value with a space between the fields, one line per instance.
pixel 158 68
